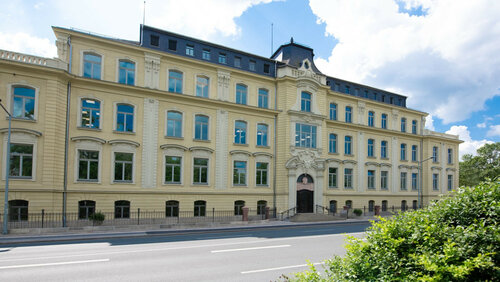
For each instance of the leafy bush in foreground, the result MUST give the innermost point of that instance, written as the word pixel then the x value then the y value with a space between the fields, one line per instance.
pixel 456 239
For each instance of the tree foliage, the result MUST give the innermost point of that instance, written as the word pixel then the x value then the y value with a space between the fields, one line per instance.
pixel 474 169
pixel 455 239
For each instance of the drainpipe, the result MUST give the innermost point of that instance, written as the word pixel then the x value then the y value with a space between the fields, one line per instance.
pixel 66 138
pixel 275 141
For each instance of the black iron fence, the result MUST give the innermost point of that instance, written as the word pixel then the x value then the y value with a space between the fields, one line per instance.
pixel 353 212
pixel 138 217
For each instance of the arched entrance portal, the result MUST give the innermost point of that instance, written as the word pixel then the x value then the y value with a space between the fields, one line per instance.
pixel 305 193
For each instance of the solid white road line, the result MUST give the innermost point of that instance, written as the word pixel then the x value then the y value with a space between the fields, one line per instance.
pixel 223 237
pixel 53 263
pixel 250 249
pixel 277 268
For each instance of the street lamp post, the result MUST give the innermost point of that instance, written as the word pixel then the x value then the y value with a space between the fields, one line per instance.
pixel 7 173
pixel 421 179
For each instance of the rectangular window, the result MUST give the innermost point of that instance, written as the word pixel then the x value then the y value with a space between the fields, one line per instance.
pixel 174 124
pixel 332 177
pixel 91 112
pixel 348 178
pixel 435 154
pixel 200 171
pixel 92 66
pixel 190 50
pixel 305 102
pixel 205 54
pixel 384 121
pixel 261 174
pixel 240 173
pixel 333 111
pixel 126 73
pixel 172 45
pixel 88 165
pixel 450 182
pixel 173 170
pixel 124 118
pixel 348 114
pixel 450 156
pixel 414 181
pixel 305 135
pixel 263 98
pixel 332 148
pixel 403 180
pixel 348 145
pixel 202 86
pixel 251 65
pixel 403 152
pixel 123 167
pixel 414 153
pixel 371 146
pixel 23 103
pixel 21 161
pixel 154 40
pixel 201 127
pixel 383 180
pixel 266 68
pixel 175 81
pixel 261 135
pixel 347 90
pixel 414 127
pixel 435 182
pixel 371 179
pixel 237 62
pixel 403 125
pixel 240 132
pixel 371 119
pixel 222 58
pixel 241 94
pixel 383 149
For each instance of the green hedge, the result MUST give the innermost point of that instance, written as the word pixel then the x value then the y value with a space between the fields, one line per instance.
pixel 456 239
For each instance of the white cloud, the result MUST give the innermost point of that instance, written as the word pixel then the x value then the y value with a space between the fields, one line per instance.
pixel 481 125
pixel 493 131
pixel 25 43
pixel 446 60
pixel 469 146
pixel 429 122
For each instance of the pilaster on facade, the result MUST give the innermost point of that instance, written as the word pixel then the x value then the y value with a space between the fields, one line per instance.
pixel 394 164
pixel 62 48
pixel 361 162
pixel 152 71
pixel 395 116
pixel 361 112
pixel 223 79
pixel 150 143
pixel 221 157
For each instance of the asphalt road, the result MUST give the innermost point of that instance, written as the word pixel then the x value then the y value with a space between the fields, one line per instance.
pixel 236 255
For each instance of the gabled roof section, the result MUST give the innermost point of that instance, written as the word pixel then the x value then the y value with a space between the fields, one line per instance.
pixel 294 54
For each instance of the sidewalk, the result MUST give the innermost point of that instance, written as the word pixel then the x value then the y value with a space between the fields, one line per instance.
pixel 106 232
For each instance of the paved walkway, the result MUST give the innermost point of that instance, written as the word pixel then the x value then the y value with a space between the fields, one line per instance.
pixel 103 232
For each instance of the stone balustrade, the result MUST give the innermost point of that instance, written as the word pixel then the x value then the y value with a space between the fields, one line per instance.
pixel 30 59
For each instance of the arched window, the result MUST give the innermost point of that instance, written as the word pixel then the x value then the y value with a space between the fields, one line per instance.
pixel 18 210
pixel 200 208
pixel 202 86
pixel 348 145
pixel 175 81
pixel 371 118
pixel 261 134
pixel 201 127
pixel 261 207
pixel 85 209
pixel 348 114
pixel 241 94
pixel 238 207
pixel 174 124
pixel 171 209
pixel 92 65
pixel 403 205
pixel 240 132
pixel 383 149
pixel 383 121
pixel 125 118
pixel 403 124
pixel 90 113
pixel 348 204
pixel 371 146
pixel 122 209
pixel 384 205
pixel 333 111
pixel 263 98
pixel 332 148
pixel 23 102
pixel 333 206
pixel 371 206
pixel 126 72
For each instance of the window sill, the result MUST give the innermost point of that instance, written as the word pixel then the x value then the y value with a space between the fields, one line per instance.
pixel 371 157
pixel 385 159
pixel 262 186
pixel 348 155
pixel 172 183
pixel 83 181
pixel 330 153
pixel 124 132
pixel 403 161
pixel 21 119
pixel 348 188
pixel 173 137
pixel 88 128
pixel 333 187
pixel 201 140
pixel 262 147
pixel 200 184
pixel 243 145
pixel 122 182
pixel 30 178
pixel 240 185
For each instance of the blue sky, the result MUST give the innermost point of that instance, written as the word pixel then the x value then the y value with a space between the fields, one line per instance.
pixel 444 55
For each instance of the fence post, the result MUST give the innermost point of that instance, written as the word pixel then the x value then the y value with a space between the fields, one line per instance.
pixel 178 216
pixel 43 216
pixel 393 208
pixel 364 210
pixel 213 214
pixel 138 215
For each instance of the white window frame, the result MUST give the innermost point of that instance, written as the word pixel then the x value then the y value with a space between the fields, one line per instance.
pixel 123 147
pixel 182 122
pixel 176 69
pixel 247 130
pixel 88 145
pixel 10 96
pixel 209 127
pixel 82 54
pixel 257 134
pixel 201 153
pixel 196 84
pixel 117 76
pixel 115 116
pixel 22 137
pixel 79 117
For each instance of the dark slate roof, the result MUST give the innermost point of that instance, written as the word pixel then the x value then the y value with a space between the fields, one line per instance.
pixel 293 54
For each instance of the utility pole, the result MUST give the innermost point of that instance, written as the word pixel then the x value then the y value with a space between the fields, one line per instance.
pixel 7 173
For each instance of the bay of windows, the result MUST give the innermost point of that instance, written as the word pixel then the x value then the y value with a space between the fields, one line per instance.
pixel 200 171
pixel 173 170
pixel 261 135
pixel 23 102
pixel 174 124
pixel 263 98
pixel 348 145
pixel 348 114
pixel 241 94
pixel 88 165
pixel 126 72
pixel 91 66
pixel 201 127
pixel 332 177
pixel 125 118
pixel 124 163
pixel 240 132
pixel 305 135
pixel 175 81
pixel 333 111
pixel 240 173
pixel 91 112
pixel 261 173
pixel 202 86
pixel 305 102
pixel 332 148
pixel 21 160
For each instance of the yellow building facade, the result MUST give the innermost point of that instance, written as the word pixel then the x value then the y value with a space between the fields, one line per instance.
pixel 172 123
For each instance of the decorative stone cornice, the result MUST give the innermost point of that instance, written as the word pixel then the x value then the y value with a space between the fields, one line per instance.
pixel 123 141
pixel 22 130
pixel 201 148
pixel 175 146
pixel 88 138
